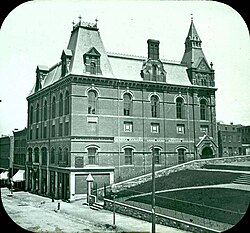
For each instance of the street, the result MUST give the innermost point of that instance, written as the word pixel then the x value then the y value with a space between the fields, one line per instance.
pixel 39 214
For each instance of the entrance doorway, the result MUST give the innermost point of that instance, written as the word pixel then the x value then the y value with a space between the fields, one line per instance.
pixel 207 153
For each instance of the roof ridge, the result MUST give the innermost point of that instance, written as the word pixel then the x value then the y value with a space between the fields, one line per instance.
pixel 55 65
pixel 125 54
pixel 140 56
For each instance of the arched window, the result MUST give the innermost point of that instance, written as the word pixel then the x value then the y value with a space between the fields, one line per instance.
pixel 92 151
pixel 52 156
pixel 181 155
pixel 44 156
pixel 53 107
pixel 156 152
pixel 155 106
pixel 203 109
pixel 66 106
pixel 36 152
pixel 45 110
pixel 59 154
pixel 92 68
pixel 127 104
pixel 66 156
pixel 128 152
pixel 30 155
pixel 37 113
pixel 31 114
pixel 61 105
pixel 179 108
pixel 92 102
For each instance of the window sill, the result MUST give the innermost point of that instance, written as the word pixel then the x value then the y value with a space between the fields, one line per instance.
pixel 127 165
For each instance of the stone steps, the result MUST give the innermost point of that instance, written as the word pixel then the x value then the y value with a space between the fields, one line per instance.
pixel 243 179
pixel 96 206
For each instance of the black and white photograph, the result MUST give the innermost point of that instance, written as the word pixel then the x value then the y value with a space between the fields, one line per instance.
pixel 124 116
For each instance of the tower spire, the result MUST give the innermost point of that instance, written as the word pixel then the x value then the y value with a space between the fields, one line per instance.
pixel 193 49
pixel 199 72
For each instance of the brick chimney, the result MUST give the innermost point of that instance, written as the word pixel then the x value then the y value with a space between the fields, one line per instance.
pixel 153 49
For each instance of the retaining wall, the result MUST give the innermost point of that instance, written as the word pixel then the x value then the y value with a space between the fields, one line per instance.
pixel 194 164
pixel 159 219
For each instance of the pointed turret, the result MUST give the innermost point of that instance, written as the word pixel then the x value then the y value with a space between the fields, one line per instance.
pixel 200 73
pixel 193 51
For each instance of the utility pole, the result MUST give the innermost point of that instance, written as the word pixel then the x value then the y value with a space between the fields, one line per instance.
pixel 153 190
pixel 114 210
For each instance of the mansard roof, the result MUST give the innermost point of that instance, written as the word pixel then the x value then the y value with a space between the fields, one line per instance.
pixel 128 67
pixel 84 37
pixel 85 40
pixel 53 75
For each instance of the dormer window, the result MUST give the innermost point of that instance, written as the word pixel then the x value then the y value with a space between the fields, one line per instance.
pixel 91 61
pixel 41 72
pixel 66 58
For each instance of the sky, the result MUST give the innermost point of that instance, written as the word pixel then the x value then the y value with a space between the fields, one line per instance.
pixel 35 33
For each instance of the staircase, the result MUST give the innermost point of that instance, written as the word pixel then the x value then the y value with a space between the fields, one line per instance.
pixel 96 206
pixel 243 179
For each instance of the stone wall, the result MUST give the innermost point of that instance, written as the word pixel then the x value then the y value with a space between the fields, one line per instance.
pixel 159 219
pixel 166 171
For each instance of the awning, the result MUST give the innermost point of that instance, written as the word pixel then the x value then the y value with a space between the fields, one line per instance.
pixel 4 175
pixel 19 176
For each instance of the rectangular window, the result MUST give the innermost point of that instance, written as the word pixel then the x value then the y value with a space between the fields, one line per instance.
pixel 128 126
pixel 60 129
pixel 155 127
pixel 53 133
pixel 204 129
pixel 44 132
pixel 128 156
pixel 91 159
pixel 30 134
pixel 224 138
pixel 66 128
pixel 37 132
pixel 92 155
pixel 180 128
pixel 156 152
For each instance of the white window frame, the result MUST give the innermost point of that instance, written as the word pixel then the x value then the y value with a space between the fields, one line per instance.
pixel 155 128
pixel 128 126
pixel 180 128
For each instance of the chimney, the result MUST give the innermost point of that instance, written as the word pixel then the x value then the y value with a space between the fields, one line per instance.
pixel 153 49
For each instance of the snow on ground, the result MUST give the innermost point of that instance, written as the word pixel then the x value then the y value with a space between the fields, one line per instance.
pixel 39 214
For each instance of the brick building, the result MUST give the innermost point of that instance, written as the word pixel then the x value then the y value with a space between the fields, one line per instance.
pixel 19 158
pixel 229 140
pixel 245 134
pixel 6 156
pixel 102 114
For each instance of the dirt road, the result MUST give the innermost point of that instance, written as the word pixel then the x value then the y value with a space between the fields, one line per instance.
pixel 39 214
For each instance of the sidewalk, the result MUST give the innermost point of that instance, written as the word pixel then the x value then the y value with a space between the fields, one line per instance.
pixel 37 213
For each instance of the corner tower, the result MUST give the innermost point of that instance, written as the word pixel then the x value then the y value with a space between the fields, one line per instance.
pixel 199 72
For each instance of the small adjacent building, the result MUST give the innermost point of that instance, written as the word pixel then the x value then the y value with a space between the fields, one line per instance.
pixel 245 135
pixel 229 140
pixel 6 158
pixel 19 158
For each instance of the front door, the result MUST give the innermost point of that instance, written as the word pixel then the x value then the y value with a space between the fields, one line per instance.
pixel 207 153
